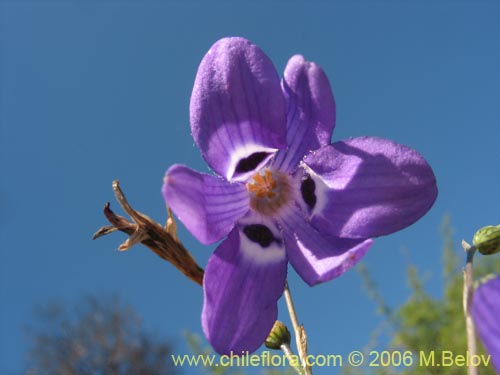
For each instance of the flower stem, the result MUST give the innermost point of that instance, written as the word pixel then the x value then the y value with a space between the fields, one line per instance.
pixel 467 301
pixel 300 333
pixel 285 348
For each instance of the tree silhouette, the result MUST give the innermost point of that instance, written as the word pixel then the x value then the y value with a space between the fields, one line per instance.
pixel 101 336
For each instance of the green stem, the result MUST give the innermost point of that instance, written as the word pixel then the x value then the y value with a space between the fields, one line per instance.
pixel 285 348
pixel 300 335
pixel 467 301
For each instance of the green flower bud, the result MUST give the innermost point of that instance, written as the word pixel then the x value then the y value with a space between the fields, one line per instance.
pixel 279 335
pixel 487 240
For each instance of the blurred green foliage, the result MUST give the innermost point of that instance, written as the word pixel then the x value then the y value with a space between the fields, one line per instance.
pixel 425 323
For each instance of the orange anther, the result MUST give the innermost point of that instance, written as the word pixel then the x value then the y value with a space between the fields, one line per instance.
pixel 263 185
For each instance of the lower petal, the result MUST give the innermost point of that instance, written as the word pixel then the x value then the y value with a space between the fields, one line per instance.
pixel 318 257
pixel 243 282
pixel 367 187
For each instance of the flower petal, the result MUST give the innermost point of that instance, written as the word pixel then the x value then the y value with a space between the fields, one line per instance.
pixel 310 111
pixel 242 284
pixel 318 257
pixel 207 205
pixel 237 108
pixel 486 316
pixel 367 187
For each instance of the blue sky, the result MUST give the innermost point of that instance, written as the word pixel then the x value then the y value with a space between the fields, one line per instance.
pixel 94 91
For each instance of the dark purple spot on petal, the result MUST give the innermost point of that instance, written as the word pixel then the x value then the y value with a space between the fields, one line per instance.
pixel 259 233
pixel 307 189
pixel 250 163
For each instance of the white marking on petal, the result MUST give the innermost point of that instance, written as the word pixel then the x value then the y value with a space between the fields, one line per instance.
pixel 261 255
pixel 320 191
pixel 273 253
pixel 242 152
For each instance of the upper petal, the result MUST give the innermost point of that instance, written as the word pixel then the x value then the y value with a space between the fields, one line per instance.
pixel 318 257
pixel 310 111
pixel 242 284
pixel 367 187
pixel 207 205
pixel 237 108
pixel 486 315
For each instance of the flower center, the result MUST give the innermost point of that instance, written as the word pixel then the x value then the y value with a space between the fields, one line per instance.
pixel 269 191
pixel 263 185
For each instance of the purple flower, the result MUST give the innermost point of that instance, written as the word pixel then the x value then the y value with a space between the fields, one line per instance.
pixel 283 193
pixel 486 316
